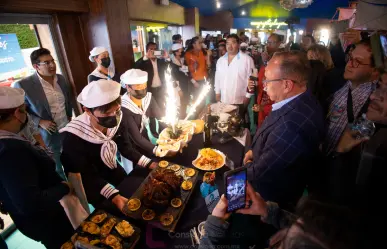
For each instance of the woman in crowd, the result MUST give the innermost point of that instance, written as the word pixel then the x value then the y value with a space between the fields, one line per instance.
pixel 198 61
pixel 30 189
pixel 180 74
pixel 105 69
pixel 332 79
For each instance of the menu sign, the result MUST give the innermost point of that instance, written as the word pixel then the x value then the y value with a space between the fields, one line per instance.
pixel 11 57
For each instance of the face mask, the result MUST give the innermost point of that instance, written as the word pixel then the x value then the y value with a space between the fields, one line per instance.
pixel 105 62
pixel 109 122
pixel 23 124
pixel 139 94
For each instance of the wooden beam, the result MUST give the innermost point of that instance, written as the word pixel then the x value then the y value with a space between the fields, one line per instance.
pixel 44 6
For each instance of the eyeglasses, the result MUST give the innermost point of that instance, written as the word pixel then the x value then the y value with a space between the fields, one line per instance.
pixel 47 63
pixel 264 82
pixel 355 63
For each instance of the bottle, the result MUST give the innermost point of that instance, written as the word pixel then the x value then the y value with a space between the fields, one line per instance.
pixel 207 129
pixel 253 77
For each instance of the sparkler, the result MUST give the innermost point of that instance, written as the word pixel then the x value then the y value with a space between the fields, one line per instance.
pixel 171 106
pixel 203 93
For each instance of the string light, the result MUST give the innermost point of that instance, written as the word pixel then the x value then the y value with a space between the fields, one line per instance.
pixel 269 23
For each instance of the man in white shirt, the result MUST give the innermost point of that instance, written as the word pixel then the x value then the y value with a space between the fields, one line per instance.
pixel 232 73
pixel 155 68
pixel 48 101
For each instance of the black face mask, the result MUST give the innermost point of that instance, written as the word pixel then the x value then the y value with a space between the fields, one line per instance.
pixel 105 62
pixel 139 94
pixel 23 125
pixel 109 122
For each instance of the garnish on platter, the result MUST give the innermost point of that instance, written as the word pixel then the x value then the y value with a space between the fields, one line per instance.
pixel 166 219
pixel 176 202
pixel 125 229
pixel 163 164
pixel 189 172
pixel 148 214
pixel 209 159
pixel 134 204
pixel 186 185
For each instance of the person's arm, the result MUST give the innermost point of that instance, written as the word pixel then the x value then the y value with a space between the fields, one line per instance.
pixel 137 137
pixel 217 80
pixel 216 232
pixel 75 160
pixel 191 68
pixel 278 217
pixel 283 147
pixel 20 179
pixel 36 119
pixel 126 148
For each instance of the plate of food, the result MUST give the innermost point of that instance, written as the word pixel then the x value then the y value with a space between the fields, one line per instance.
pixel 162 196
pixel 209 159
pixel 104 230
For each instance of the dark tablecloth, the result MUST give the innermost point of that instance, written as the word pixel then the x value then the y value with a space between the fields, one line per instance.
pixel 195 211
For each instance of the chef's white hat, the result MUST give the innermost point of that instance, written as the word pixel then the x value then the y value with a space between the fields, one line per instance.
pixel 254 39
pixel 96 51
pixel 244 44
pixel 11 97
pixel 134 77
pixel 176 46
pixel 99 93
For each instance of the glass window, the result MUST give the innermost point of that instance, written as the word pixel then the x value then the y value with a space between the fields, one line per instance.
pixel 17 41
pixel 19 36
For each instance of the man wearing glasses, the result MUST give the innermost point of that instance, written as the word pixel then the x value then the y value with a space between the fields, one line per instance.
pixel 348 103
pixel 48 100
pixel 284 147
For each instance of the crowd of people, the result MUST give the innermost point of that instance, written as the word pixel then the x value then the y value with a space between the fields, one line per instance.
pixel 300 102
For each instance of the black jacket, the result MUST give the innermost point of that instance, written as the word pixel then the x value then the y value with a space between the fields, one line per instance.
pixel 30 191
pixel 81 156
pixel 184 80
pixel 134 120
pixel 146 65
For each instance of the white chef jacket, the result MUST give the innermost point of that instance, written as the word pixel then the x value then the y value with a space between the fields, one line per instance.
pixel 231 80
pixel 56 101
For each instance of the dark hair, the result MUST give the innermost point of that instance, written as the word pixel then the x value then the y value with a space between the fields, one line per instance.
pixel 150 44
pixel 6 114
pixel 222 45
pixel 367 43
pixel 294 64
pixel 192 42
pixel 105 108
pixel 37 53
pixel 325 226
pixel 176 37
pixel 221 41
pixel 311 38
pixel 235 36
pixel 277 36
pixel 225 35
pixel 187 42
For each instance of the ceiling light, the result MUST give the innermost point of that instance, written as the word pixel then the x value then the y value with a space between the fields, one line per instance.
pixel 243 13
pixel 218 5
pixel 301 32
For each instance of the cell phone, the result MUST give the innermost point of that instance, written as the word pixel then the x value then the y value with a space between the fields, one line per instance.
pixel 236 183
pixel 379 51
pixel 157 53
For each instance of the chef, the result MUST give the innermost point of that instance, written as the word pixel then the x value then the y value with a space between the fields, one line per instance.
pixel 105 68
pixel 141 110
pixel 93 139
pixel 30 188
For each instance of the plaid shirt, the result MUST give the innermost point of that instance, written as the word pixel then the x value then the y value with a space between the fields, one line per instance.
pixel 337 115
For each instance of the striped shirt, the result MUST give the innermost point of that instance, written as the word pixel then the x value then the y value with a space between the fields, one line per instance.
pixel 337 115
